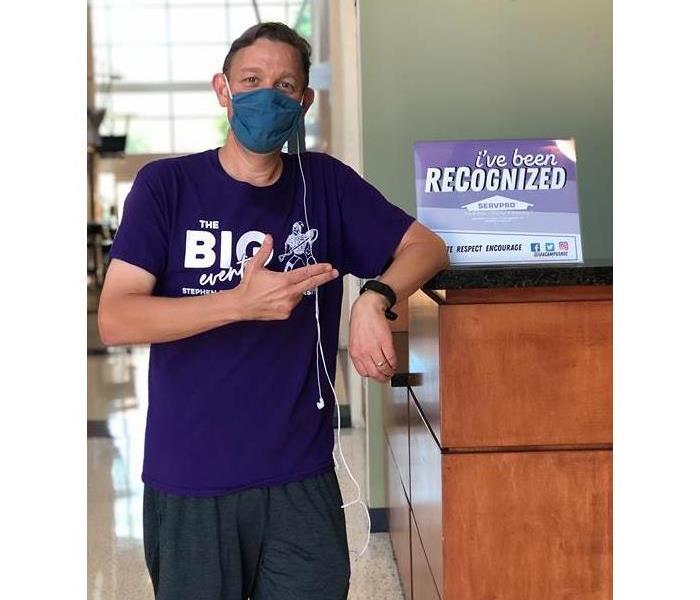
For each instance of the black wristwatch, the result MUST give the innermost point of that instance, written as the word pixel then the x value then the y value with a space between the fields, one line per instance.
pixel 384 289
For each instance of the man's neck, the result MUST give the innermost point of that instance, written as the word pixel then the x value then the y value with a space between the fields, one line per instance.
pixel 243 165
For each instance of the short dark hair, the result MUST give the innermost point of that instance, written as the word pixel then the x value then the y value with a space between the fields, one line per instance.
pixel 277 32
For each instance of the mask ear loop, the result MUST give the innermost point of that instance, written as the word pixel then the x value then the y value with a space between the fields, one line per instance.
pixel 321 403
pixel 230 95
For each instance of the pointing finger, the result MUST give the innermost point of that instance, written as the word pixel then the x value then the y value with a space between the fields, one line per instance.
pixel 314 281
pixel 299 275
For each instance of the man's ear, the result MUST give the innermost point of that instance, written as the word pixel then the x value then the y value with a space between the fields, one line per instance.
pixel 308 98
pixel 217 82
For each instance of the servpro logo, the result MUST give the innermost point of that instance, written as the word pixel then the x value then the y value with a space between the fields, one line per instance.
pixel 496 203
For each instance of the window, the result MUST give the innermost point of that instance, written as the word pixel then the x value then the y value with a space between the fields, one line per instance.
pixel 154 60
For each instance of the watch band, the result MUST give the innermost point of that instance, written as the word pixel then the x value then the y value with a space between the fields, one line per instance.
pixel 385 290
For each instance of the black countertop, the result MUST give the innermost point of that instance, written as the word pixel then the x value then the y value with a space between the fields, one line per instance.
pixel 591 272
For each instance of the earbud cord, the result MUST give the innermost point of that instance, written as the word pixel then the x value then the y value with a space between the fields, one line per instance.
pixel 321 403
pixel 319 346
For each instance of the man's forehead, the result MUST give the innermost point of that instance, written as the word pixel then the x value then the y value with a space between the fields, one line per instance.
pixel 264 54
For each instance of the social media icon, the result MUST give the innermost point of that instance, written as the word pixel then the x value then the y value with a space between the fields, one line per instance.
pixel 549 246
pixel 535 247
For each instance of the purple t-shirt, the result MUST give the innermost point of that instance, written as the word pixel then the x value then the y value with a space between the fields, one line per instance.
pixel 235 407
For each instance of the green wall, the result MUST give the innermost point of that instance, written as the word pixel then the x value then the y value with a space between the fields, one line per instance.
pixel 484 69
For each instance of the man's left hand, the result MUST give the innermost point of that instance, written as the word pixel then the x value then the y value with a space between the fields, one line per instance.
pixel 371 345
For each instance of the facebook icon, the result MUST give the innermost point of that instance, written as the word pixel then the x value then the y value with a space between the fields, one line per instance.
pixel 535 247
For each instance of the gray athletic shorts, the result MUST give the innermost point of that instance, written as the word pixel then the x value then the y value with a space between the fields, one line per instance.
pixel 285 542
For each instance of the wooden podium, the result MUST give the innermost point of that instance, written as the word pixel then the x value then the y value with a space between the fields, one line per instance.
pixel 499 437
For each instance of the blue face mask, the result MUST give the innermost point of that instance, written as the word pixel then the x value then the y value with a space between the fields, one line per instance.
pixel 264 119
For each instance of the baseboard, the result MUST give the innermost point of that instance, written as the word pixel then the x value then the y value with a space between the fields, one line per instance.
pixel 345 421
pixel 111 350
pixel 380 519
pixel 98 429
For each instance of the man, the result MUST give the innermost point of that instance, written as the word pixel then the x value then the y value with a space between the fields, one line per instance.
pixel 241 499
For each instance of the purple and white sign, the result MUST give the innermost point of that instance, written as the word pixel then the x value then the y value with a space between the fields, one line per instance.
pixel 500 201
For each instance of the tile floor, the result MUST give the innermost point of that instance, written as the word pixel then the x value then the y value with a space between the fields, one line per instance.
pixel 117 401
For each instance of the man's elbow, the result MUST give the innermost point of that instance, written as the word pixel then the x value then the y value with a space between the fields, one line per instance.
pixel 431 245
pixel 442 252
pixel 107 327
pixel 446 262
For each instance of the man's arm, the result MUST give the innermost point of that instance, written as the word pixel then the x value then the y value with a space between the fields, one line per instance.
pixel 129 314
pixel 418 257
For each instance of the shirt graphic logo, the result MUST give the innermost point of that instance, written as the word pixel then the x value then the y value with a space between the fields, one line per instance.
pixel 298 249
pixel 201 253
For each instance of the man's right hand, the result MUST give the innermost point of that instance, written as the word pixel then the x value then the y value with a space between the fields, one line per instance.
pixel 129 313
pixel 270 295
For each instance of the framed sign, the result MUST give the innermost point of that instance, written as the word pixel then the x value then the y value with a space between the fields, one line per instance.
pixel 500 201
